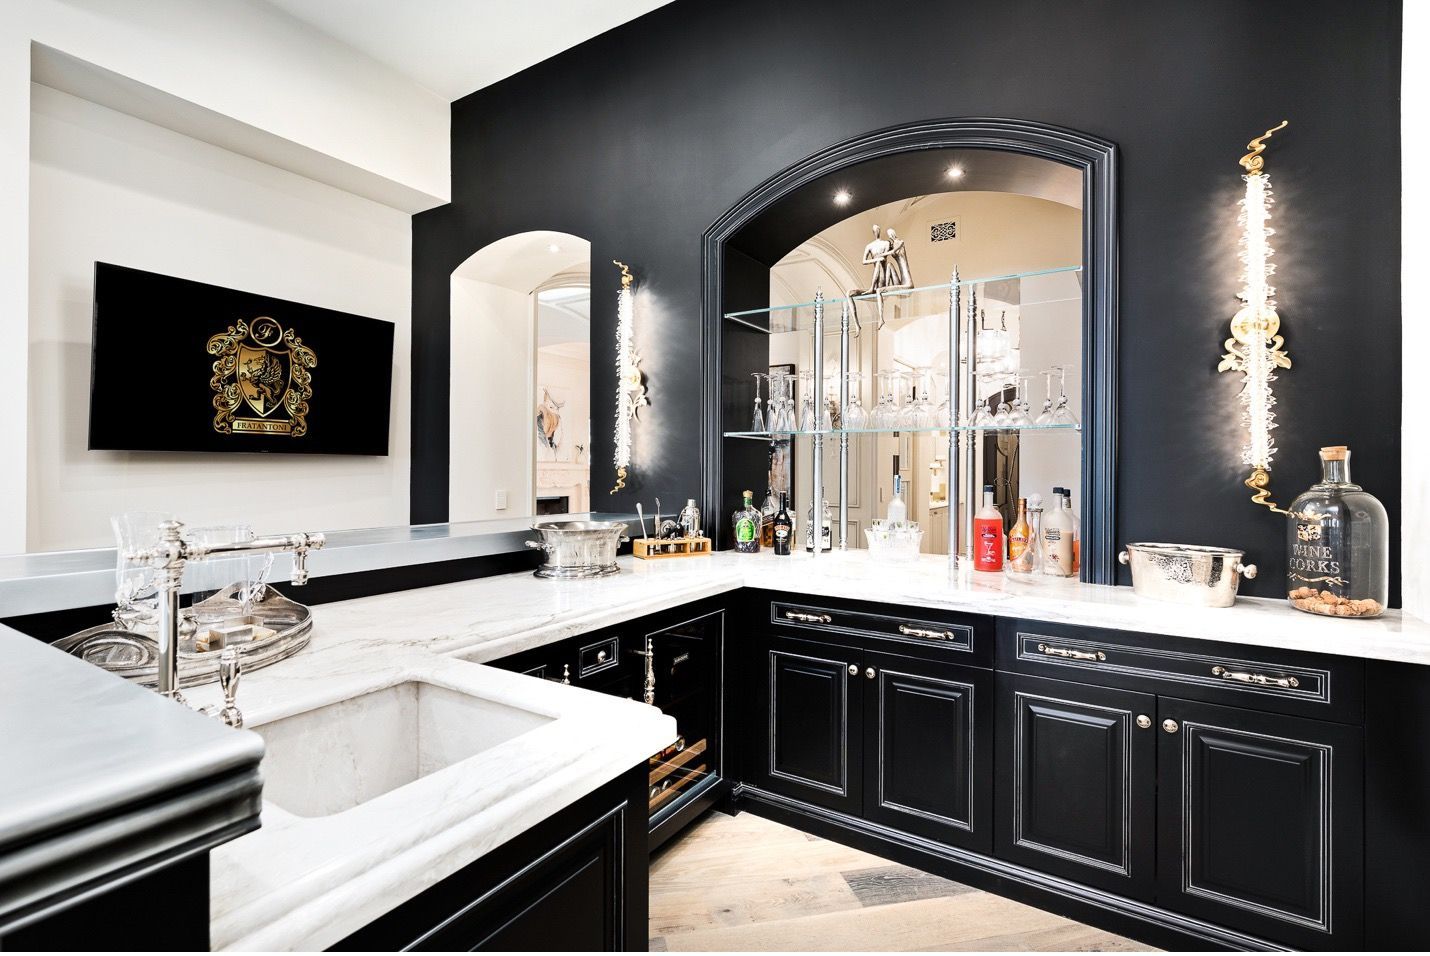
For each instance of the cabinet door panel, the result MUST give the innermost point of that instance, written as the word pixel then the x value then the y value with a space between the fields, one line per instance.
pixel 928 749
pixel 809 731
pixel 1261 822
pixel 1077 782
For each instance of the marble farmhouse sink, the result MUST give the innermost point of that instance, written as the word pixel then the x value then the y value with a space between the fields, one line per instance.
pixel 335 757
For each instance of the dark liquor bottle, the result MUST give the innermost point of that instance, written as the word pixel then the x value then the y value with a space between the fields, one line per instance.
pixel 784 527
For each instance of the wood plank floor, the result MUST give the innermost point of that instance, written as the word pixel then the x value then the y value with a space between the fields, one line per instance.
pixel 746 884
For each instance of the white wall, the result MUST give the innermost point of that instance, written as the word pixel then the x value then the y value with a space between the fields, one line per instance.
pixel 236 60
pixel 492 421
pixel 106 186
pixel 1415 329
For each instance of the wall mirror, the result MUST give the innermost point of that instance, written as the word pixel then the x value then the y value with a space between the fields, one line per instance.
pixel 1025 213
pixel 521 372
pixel 1028 335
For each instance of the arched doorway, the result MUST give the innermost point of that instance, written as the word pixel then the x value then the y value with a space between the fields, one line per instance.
pixel 519 428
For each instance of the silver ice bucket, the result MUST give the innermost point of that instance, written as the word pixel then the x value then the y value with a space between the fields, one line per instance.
pixel 1186 573
pixel 578 549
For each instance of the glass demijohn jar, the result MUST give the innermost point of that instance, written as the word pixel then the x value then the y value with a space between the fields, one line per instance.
pixel 1338 545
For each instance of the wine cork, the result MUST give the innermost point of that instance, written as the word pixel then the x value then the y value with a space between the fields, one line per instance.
pixel 1334 452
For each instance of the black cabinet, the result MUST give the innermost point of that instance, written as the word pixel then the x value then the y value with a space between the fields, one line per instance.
pixel 926 754
pixel 807 722
pixel 901 741
pixel 1077 782
pixel 576 882
pixel 1261 822
pixel 678 656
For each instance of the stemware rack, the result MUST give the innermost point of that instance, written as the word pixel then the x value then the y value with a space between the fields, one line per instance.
pixel 963 318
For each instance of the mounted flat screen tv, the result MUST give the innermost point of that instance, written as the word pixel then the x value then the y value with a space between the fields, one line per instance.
pixel 185 366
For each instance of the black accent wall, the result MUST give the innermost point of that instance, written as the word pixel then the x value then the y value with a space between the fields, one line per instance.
pixel 641 138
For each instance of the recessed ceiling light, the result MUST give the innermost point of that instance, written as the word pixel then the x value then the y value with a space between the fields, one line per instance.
pixel 954 172
pixel 554 247
pixel 842 198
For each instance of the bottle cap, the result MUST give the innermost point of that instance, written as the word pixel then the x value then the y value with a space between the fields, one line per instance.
pixel 1335 453
pixel 747 494
pixel 988 488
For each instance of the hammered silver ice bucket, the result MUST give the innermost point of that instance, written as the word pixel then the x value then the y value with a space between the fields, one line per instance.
pixel 1186 573
pixel 578 549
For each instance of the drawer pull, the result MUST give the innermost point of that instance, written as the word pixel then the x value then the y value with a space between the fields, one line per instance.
pixel 926 632
pixel 1249 678
pixel 1069 652
pixel 808 618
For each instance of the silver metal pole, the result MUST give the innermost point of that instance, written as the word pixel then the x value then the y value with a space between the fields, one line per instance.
pixel 954 401
pixel 970 387
pixel 816 498
pixel 843 434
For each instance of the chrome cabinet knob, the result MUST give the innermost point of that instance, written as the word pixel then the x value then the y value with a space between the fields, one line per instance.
pixel 601 657
pixel 853 669
pixel 1144 721
pixel 870 673
pixel 1169 725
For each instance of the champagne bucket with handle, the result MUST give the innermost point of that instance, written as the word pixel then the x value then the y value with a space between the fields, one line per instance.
pixel 1186 573
pixel 578 549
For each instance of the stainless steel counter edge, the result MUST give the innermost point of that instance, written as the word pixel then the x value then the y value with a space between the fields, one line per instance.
pixel 103 778
pixel 61 580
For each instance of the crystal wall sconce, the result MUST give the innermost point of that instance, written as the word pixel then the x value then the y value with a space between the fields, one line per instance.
pixel 630 380
pixel 1255 347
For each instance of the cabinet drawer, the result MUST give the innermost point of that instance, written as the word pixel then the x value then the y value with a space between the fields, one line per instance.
pixel 957 636
pixel 1261 678
pixel 599 656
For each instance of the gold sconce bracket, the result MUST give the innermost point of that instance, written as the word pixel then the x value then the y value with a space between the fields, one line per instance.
pixel 1252 161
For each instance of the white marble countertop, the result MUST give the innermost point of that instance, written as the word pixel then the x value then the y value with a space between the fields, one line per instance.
pixel 304 883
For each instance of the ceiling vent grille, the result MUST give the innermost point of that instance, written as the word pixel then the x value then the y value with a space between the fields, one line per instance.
pixel 940 231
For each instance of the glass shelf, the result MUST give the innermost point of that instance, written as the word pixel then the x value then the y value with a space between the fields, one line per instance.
pixel 836 432
pixel 896 306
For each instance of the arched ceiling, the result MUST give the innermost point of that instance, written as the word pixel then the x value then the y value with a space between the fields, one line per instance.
pixel 528 259
pixel 811 209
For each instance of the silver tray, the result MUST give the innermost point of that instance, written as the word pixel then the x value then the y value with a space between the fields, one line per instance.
pixel 134 655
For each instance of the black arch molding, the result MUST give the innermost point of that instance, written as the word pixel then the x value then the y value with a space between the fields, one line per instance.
pixel 730 280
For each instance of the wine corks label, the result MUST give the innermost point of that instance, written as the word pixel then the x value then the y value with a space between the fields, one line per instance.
pixel 1333 605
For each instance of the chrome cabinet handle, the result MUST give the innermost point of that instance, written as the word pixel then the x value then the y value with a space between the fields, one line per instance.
pixel 1169 725
pixel 1144 721
pixel 808 618
pixel 925 632
pixel 853 669
pixel 1246 677
pixel 870 673
pixel 565 673
pixel 1075 655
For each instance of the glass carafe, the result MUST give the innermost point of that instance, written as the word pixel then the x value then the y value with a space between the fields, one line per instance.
pixel 1338 545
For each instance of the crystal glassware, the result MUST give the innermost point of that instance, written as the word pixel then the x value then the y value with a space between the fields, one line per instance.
pixel 224 588
pixel 1062 414
pixel 136 593
pixel 1045 417
pixel 757 419
pixel 855 418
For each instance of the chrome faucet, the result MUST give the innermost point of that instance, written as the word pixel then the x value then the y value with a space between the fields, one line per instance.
pixel 170 556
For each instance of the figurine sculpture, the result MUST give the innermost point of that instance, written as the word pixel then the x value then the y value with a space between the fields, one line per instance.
pixel 890 260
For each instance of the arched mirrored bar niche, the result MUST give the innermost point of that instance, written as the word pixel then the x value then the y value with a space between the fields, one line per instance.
pixel 1037 207
pixel 520 425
